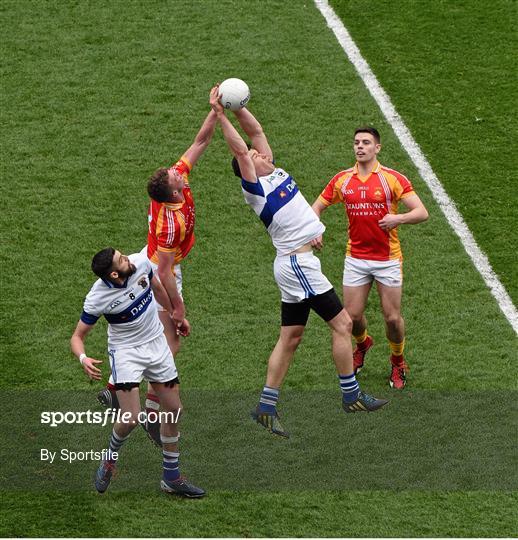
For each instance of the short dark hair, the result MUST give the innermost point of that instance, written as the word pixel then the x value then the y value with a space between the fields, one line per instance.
pixel 235 164
pixel 369 129
pixel 102 262
pixel 158 186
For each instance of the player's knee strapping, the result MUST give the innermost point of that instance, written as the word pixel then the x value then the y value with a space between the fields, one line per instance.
pixel 152 407
pixel 170 440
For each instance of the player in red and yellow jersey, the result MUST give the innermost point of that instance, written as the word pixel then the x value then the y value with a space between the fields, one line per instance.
pixel 370 194
pixel 170 238
pixel 171 227
pixel 171 224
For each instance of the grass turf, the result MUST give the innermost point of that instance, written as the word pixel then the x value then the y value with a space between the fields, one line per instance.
pixel 457 93
pixel 93 104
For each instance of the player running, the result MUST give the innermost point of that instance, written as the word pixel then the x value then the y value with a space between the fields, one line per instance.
pixel 170 239
pixel 292 225
pixel 370 193
pixel 138 349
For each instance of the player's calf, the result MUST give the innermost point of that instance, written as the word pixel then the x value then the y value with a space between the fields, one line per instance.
pixel 361 349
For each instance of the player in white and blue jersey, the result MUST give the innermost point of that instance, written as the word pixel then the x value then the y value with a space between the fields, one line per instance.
pixel 138 349
pixel 294 229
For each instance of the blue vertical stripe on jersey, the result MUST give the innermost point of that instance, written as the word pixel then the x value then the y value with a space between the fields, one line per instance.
pixel 303 280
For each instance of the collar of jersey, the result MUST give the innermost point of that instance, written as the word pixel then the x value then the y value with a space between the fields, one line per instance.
pixel 114 285
pixel 174 206
pixel 375 169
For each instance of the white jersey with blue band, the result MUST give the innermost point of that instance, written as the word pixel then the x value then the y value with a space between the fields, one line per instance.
pixel 288 217
pixel 130 309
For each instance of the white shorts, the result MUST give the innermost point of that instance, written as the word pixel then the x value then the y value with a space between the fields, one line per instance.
pixel 152 361
pixel 299 276
pixel 361 271
pixel 177 276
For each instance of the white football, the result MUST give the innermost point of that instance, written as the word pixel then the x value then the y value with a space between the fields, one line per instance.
pixel 234 94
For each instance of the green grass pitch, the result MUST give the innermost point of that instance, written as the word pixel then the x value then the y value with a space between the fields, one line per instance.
pixel 95 96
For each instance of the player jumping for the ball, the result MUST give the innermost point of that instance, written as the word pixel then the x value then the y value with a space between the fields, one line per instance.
pixel 292 226
pixel 170 239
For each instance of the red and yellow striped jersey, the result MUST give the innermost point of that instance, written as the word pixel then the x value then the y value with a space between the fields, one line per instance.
pixel 366 201
pixel 171 225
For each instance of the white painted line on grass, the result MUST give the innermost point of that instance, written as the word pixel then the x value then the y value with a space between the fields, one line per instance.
pixel 448 207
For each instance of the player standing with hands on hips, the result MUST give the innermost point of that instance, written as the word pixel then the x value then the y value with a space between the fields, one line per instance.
pixel 292 225
pixel 370 193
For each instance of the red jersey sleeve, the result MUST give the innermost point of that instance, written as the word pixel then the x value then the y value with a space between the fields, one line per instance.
pixel 183 166
pixel 332 193
pixel 163 240
pixel 402 186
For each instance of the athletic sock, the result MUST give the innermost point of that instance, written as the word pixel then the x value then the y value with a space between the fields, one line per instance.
pixel 268 400
pixel 152 407
pixel 349 387
pixel 396 350
pixel 361 340
pixel 171 465
pixel 116 441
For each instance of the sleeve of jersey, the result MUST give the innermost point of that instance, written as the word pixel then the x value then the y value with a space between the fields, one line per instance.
pixel 166 242
pixel 149 270
pixel 143 263
pixel 332 193
pixel 166 235
pixel 90 313
pixel 403 187
pixel 183 166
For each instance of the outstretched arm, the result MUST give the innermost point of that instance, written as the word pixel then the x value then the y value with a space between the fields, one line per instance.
pixel 234 141
pixel 254 130
pixel 202 139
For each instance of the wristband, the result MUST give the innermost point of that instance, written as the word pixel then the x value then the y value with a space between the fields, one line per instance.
pixel 82 357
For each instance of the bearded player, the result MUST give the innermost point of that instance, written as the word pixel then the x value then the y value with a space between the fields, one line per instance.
pixel 125 295
pixel 170 239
